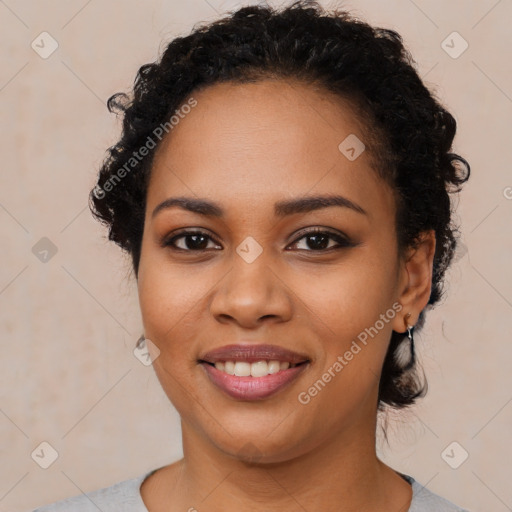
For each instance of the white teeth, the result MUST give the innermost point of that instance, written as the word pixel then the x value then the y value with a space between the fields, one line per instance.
pixel 229 367
pixel 273 366
pixel 257 369
pixel 242 369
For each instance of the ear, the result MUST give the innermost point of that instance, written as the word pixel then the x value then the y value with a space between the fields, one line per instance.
pixel 415 280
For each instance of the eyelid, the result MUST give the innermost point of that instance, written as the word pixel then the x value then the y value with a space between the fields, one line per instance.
pixel 339 237
pixel 320 230
pixel 342 240
pixel 166 240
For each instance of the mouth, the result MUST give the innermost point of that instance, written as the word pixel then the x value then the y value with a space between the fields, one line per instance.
pixel 252 372
pixel 249 387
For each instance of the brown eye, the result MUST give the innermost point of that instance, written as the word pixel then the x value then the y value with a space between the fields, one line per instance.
pixel 191 241
pixel 318 240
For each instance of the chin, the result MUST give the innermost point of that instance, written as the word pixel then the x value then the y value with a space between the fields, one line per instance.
pixel 260 448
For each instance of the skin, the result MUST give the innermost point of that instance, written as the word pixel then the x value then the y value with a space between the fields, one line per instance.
pixel 247 146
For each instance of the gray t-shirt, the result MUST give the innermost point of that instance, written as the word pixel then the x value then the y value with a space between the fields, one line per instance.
pixel 125 496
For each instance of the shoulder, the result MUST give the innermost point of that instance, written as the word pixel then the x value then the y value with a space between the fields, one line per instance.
pixel 123 496
pixel 424 500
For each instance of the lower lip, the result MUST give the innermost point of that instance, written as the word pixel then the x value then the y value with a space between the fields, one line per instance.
pixel 252 388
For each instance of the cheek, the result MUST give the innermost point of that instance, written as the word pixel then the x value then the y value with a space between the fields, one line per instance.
pixel 168 307
pixel 169 293
pixel 351 295
pixel 351 306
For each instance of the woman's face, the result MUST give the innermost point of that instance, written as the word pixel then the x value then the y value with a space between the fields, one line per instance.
pixel 258 275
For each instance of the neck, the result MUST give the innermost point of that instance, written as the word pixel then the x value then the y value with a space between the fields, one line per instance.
pixel 341 473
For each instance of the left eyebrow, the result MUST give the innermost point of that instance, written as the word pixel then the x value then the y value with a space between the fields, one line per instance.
pixel 311 203
pixel 281 208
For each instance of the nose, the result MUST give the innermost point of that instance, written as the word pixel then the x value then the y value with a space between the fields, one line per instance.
pixel 251 293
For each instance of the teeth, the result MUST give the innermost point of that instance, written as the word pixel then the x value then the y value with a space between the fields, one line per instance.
pixel 274 366
pixel 246 369
pixel 229 367
pixel 259 369
pixel 242 369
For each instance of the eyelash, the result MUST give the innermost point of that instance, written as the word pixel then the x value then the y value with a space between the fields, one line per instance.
pixel 344 242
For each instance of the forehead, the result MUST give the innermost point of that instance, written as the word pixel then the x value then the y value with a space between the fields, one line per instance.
pixel 271 139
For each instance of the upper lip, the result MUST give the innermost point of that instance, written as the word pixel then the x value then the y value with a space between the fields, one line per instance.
pixel 252 354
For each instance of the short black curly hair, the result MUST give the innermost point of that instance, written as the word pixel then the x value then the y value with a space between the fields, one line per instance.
pixel 366 65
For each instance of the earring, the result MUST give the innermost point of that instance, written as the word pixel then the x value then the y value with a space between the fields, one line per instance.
pixel 140 341
pixel 410 329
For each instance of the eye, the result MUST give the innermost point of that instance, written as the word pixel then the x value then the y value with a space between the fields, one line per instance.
pixel 191 241
pixel 318 240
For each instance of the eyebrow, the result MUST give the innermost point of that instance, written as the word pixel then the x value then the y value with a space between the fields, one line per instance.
pixel 281 208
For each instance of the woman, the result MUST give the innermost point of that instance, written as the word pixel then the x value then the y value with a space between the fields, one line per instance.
pixel 282 186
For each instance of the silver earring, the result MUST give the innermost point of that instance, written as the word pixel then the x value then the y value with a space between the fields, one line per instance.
pixel 412 360
pixel 405 356
pixel 140 341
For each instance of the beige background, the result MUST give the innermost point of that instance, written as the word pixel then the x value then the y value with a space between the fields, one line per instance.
pixel 69 325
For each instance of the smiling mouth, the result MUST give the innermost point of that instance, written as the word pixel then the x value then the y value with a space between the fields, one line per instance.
pixel 254 381
pixel 253 369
